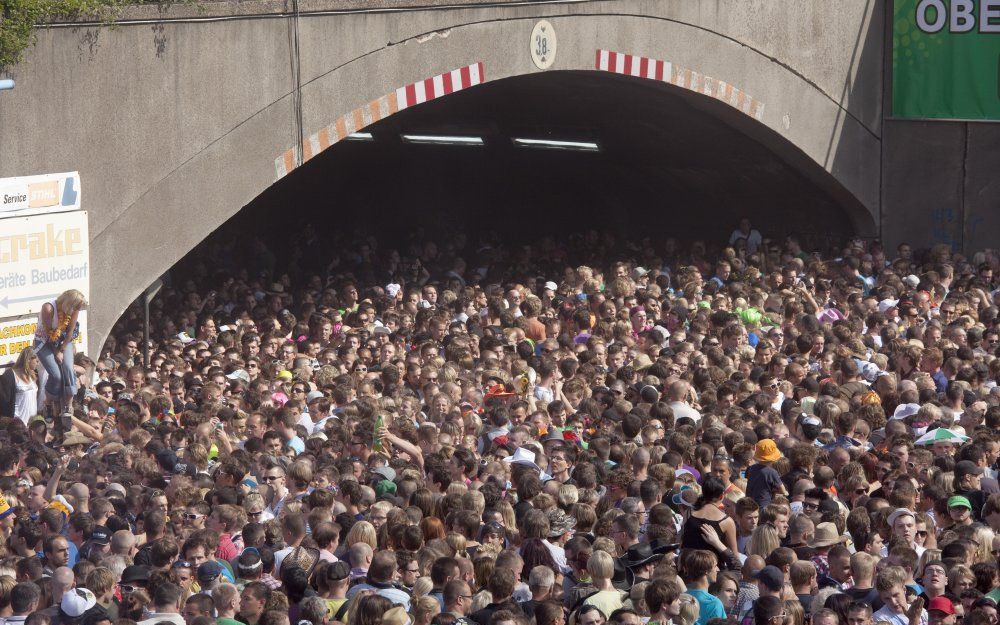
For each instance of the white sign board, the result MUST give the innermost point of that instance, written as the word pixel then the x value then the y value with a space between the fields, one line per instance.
pixel 34 195
pixel 17 334
pixel 543 45
pixel 40 257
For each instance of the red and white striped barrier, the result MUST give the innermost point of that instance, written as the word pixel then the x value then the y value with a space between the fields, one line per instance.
pixel 393 102
pixel 665 71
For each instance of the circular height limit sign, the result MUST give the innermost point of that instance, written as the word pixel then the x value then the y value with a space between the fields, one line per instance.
pixel 543 45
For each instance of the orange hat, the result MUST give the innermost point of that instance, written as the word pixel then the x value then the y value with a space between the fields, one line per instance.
pixel 766 451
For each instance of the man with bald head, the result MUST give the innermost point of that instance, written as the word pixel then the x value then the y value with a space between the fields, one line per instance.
pixel 640 463
pixel 62 581
pixel 360 556
pixel 679 394
pixel 124 543
pixel 748 591
pixel 81 497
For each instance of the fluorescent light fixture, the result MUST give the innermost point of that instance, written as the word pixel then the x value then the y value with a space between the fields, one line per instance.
pixel 442 140
pixel 360 136
pixel 552 144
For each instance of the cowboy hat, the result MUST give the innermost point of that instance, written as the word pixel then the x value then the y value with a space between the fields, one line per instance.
pixel 639 554
pixel 826 536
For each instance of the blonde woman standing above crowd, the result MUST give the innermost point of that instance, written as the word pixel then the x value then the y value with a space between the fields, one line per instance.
pixel 58 326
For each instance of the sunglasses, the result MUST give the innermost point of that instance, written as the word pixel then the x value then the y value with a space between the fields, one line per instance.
pixel 922 533
pixel 183 564
pixel 270 478
pixel 193 517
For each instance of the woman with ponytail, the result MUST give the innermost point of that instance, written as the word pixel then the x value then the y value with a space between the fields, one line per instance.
pixel 708 527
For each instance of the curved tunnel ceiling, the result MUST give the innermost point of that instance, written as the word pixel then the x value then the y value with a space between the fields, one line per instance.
pixel 671 163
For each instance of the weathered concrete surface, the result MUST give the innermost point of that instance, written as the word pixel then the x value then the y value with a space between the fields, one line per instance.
pixel 941 184
pixel 175 125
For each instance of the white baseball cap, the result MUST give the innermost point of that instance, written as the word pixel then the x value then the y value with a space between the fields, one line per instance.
pixel 76 601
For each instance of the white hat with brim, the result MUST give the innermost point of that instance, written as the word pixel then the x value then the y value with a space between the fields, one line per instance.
pixel 523 456
pixel 905 410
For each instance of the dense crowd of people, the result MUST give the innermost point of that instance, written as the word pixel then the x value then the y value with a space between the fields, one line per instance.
pixel 460 432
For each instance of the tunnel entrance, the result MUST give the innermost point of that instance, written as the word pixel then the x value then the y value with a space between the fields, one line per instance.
pixel 667 162
pixel 652 163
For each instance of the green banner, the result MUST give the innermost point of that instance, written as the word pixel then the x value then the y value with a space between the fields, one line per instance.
pixel 946 59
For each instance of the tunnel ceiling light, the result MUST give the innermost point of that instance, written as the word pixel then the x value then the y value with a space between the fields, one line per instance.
pixel 360 136
pixel 552 144
pixel 443 140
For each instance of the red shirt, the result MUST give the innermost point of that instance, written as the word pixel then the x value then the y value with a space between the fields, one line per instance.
pixel 227 550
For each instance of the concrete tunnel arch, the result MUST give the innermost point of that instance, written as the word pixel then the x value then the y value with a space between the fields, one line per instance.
pixel 745 88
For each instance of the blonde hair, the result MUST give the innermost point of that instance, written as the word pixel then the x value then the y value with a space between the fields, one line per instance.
pixel 70 301
pixel 983 536
pixel 795 612
pixel 690 610
pixel 253 499
pixel 959 572
pixel 568 495
pixel 425 608
pixel 458 543
pixel 7 584
pixel 763 541
pixel 21 366
pixel 423 587
pixel 363 532
pixel 601 565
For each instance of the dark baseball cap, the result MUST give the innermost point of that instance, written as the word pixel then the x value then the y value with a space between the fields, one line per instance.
pixel 611 415
pixel 966 467
pixel 771 577
pixel 136 573
pixel 100 535
pixel 209 571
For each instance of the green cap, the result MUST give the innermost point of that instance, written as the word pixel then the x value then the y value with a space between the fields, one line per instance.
pixel 958 500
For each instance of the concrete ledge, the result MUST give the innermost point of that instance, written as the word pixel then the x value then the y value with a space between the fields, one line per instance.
pixel 209 9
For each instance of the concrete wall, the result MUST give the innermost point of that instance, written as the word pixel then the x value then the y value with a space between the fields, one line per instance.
pixel 941 184
pixel 175 125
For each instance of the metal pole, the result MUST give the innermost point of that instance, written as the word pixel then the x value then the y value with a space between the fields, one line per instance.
pixel 145 330
pixel 147 297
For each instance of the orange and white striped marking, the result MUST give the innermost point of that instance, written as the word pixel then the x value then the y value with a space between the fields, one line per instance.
pixel 367 114
pixel 685 78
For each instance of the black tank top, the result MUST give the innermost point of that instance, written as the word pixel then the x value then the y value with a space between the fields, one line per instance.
pixel 691 537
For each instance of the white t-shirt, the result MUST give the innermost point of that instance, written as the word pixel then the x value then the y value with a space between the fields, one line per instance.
pixel 280 555
pixel 885 614
pixel 683 410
